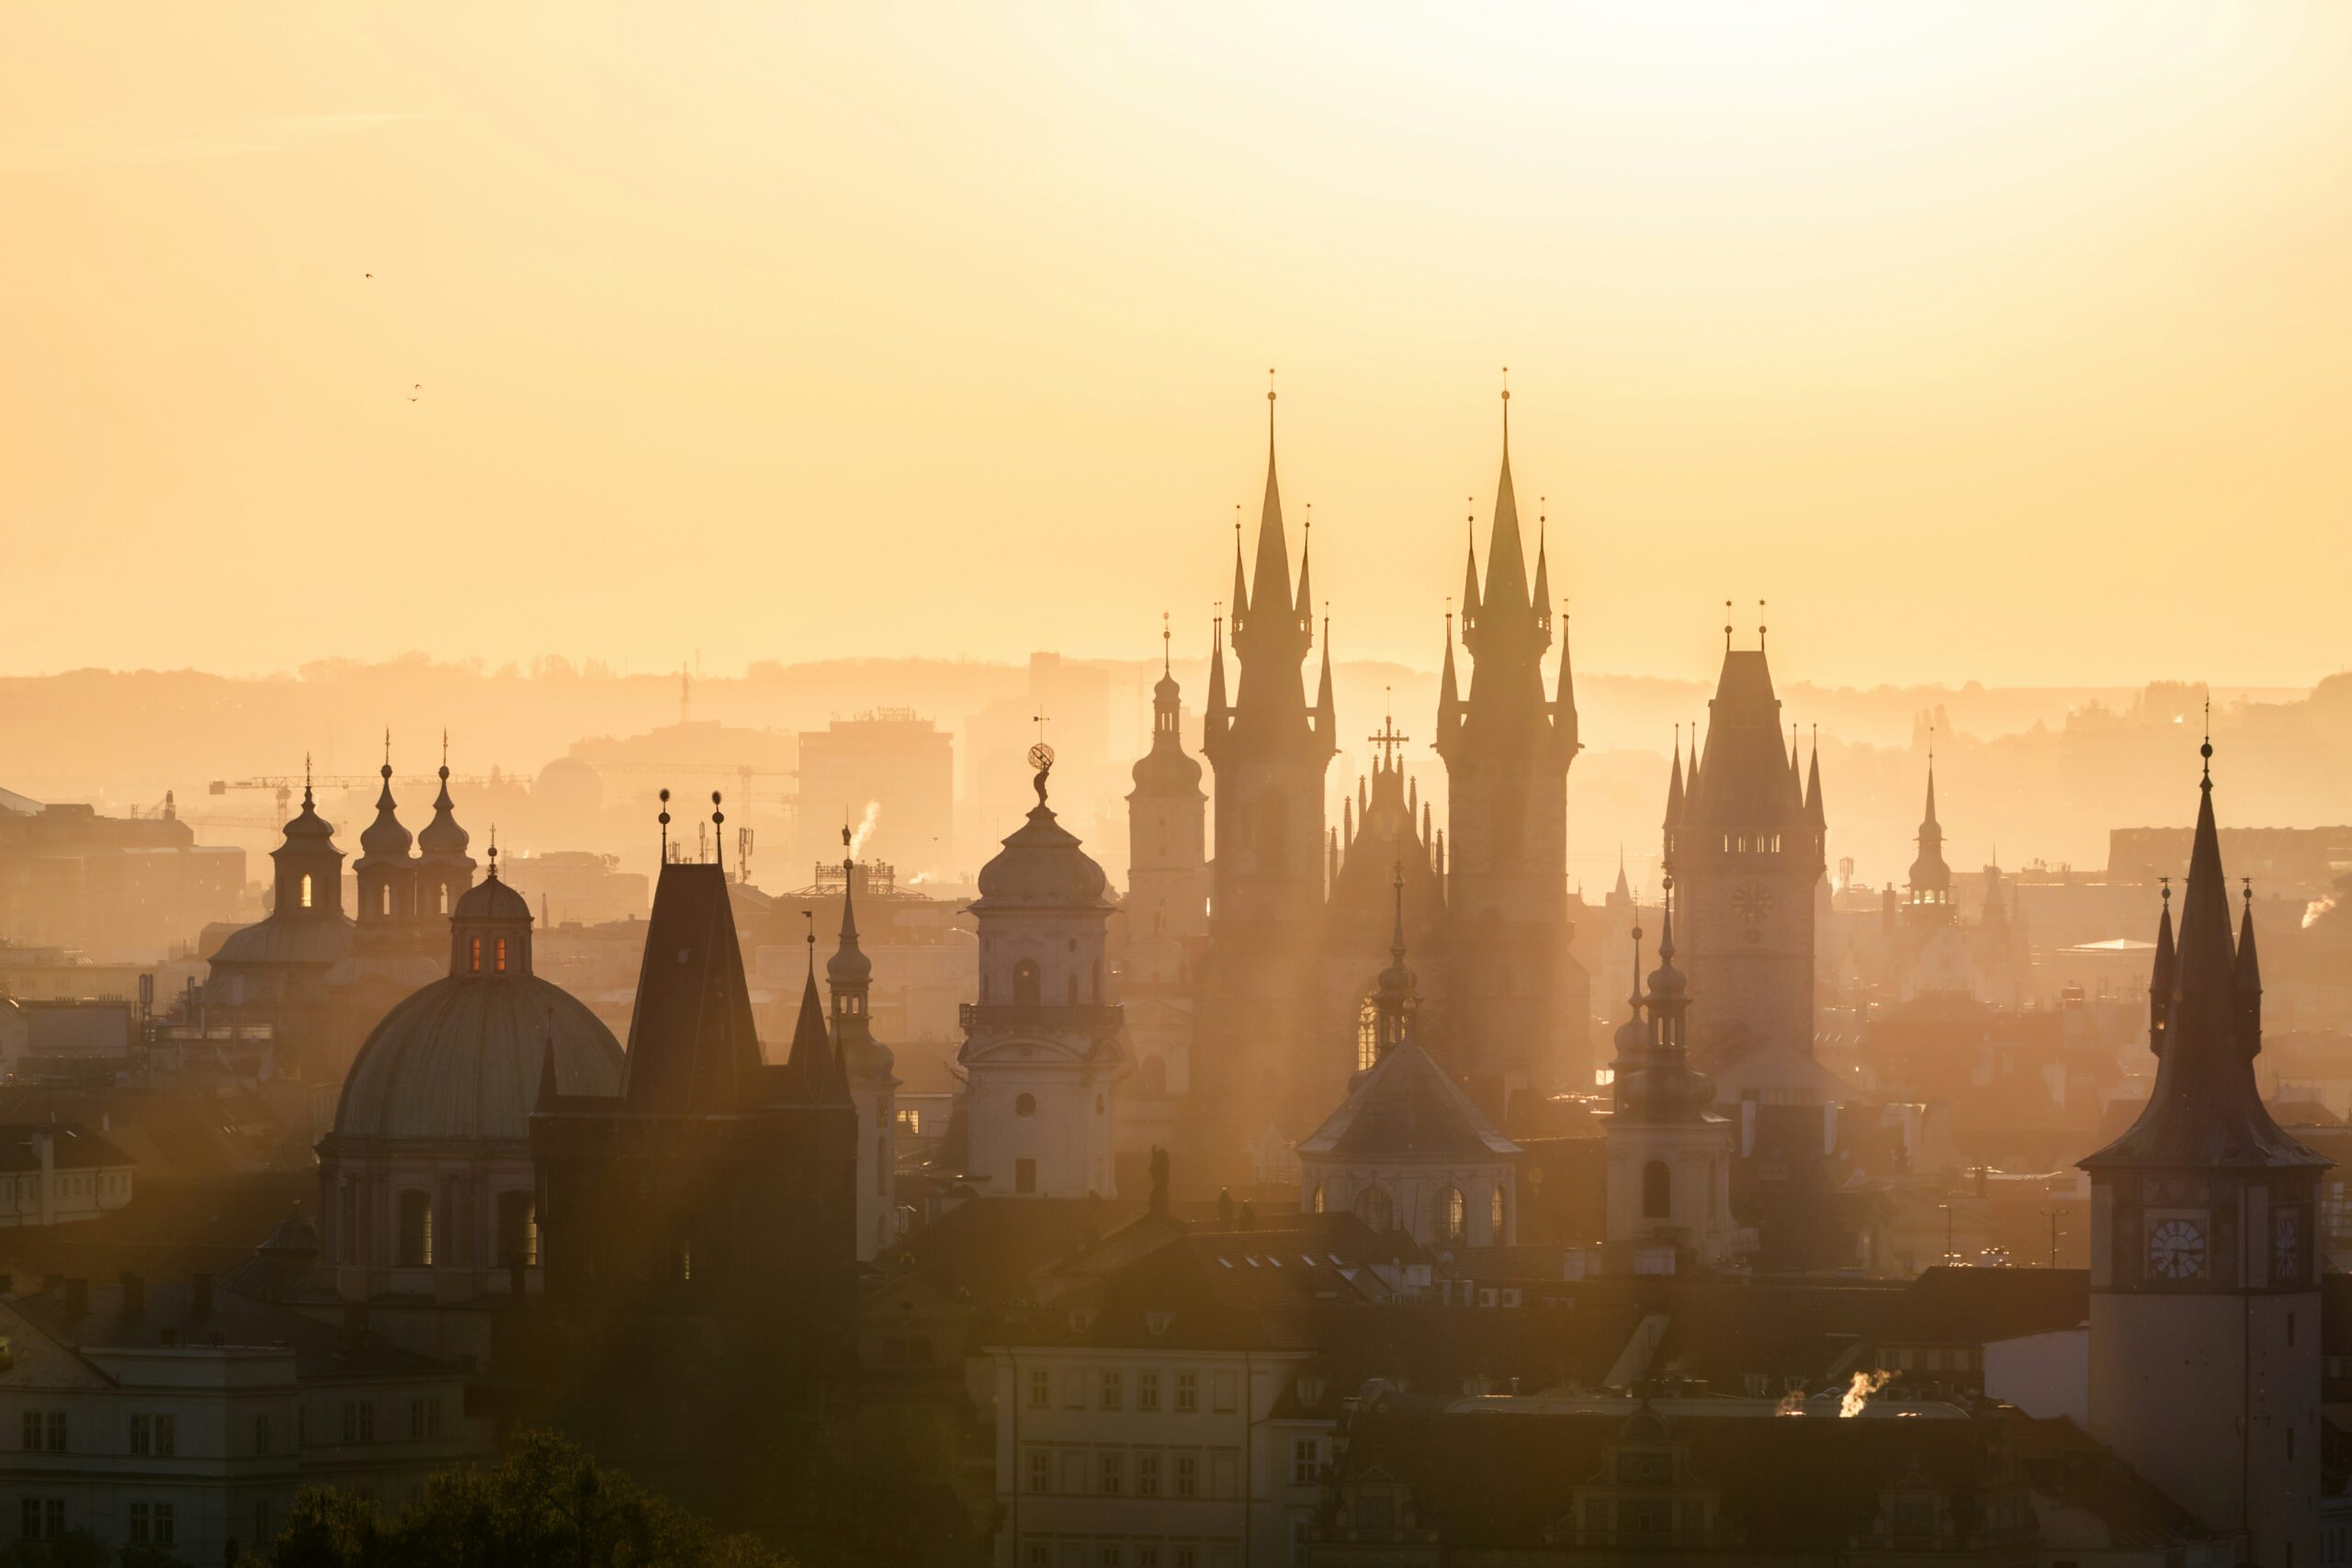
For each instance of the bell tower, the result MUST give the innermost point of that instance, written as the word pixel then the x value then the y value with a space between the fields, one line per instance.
pixel 1746 834
pixel 2205 1302
pixel 1519 998
pixel 1270 749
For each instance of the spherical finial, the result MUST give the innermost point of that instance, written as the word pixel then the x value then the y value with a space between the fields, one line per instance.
pixel 1638 934
pixel 1666 883
pixel 717 818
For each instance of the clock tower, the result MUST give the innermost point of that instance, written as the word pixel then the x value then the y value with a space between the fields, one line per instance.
pixel 2204 1337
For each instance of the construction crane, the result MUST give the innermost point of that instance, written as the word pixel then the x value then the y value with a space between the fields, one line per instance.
pixel 283 784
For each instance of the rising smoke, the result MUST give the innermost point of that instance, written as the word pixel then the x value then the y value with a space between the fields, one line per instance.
pixel 1859 1393
pixel 864 829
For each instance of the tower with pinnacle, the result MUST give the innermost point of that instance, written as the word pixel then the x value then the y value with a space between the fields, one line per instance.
pixel 1518 1000
pixel 1167 920
pixel 869 1068
pixel 1270 747
pixel 1746 833
pixel 2205 1300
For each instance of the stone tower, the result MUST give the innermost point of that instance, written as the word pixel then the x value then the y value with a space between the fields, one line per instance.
pixel 1270 749
pixel 1167 914
pixel 870 1070
pixel 2205 1302
pixel 1744 838
pixel 1043 1047
pixel 1517 999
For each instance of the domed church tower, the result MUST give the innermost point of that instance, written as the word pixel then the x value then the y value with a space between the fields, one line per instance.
pixel 425 1184
pixel 1044 1048
pixel 443 870
pixel 1270 749
pixel 396 946
pixel 2205 1300
pixel 274 971
pixel 1517 997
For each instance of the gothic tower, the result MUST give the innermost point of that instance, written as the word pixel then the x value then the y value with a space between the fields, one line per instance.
pixel 1383 836
pixel 1270 749
pixel 1518 1000
pixel 2205 1302
pixel 870 1069
pixel 1744 838
pixel 1167 923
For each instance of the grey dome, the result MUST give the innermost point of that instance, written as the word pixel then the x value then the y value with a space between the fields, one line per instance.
pixel 297 939
pixel 1042 867
pixel 461 1059
pixel 491 900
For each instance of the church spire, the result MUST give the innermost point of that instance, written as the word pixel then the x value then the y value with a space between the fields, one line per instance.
pixel 1449 693
pixel 2160 975
pixel 1271 595
pixel 1814 809
pixel 1564 697
pixel 1506 591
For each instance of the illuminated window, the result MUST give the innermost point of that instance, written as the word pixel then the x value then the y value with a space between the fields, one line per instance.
pixel 1318 1197
pixel 501 955
pixel 1494 1213
pixel 477 954
pixel 1367 1033
pixel 1453 1215
pixel 416 1230
pixel 384 899
pixel 444 898
pixel 306 890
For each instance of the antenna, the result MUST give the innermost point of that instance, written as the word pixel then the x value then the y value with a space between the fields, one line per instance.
pixel 718 834
pixel 664 820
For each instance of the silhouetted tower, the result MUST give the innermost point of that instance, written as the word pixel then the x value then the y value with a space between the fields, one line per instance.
pixel 1270 749
pixel 1517 999
pixel 386 864
pixel 2205 1301
pixel 870 1070
pixel 1930 879
pixel 1744 838
pixel 444 869
pixel 1167 921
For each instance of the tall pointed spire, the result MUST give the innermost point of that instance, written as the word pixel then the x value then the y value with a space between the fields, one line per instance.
pixel 1674 790
pixel 1449 693
pixel 1506 554
pixel 2249 981
pixel 1470 567
pixel 1565 728
pixel 1542 597
pixel 1323 712
pixel 1304 608
pixel 1814 809
pixel 1271 594
pixel 1237 607
pixel 1217 712
pixel 2161 975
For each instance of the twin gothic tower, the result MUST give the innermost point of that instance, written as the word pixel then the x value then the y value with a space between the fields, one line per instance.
pixel 1279 998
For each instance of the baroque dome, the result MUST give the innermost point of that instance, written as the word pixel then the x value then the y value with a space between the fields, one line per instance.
pixel 461 1059
pixel 1042 867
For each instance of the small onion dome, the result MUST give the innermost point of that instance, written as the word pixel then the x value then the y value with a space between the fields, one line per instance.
pixel 1632 1038
pixel 1666 1088
pixel 1042 867
pixel 1665 980
pixel 308 824
pixel 442 835
pixel 385 838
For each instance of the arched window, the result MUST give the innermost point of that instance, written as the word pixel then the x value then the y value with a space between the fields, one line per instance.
pixel 1494 1213
pixel 384 899
pixel 1453 1215
pixel 1657 1190
pixel 476 952
pixel 444 898
pixel 1318 1198
pixel 501 955
pixel 306 890
pixel 416 1230
pixel 1025 984
pixel 519 1230
pixel 1375 1207
pixel 1367 1033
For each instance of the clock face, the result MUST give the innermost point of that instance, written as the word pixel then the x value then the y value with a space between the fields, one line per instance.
pixel 1751 901
pixel 2176 1250
pixel 2287 1245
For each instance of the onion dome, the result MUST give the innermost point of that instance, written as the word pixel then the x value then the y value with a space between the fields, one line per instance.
pixel 442 838
pixel 1165 770
pixel 308 826
pixel 385 838
pixel 849 965
pixel 1042 867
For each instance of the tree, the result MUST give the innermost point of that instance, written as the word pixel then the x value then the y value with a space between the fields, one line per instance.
pixel 545 1505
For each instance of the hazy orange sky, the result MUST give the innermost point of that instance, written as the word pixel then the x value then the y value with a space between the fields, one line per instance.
pixel 2011 343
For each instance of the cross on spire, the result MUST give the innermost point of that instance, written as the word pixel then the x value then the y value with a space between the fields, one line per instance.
pixel 1388 743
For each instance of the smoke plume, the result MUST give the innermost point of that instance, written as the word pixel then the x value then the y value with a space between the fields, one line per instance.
pixel 864 829
pixel 1859 1393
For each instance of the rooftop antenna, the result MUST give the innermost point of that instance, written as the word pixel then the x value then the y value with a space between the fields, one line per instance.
pixel 1727 625
pixel 718 834
pixel 1760 628
pixel 664 820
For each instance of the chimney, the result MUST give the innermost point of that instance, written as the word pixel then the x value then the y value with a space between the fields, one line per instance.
pixel 199 1295
pixel 134 1295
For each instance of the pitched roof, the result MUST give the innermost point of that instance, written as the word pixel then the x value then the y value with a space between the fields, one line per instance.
pixel 1971 1306
pixel 1405 1107
pixel 691 1044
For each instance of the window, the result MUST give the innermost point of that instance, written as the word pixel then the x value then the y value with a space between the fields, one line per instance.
pixel 1494 1213
pixel 1114 1390
pixel 1367 1034
pixel 1148 1390
pixel 474 948
pixel 306 890
pixel 1041 1470
pixel 1318 1204
pixel 442 903
pixel 1108 1556
pixel 1305 1460
pixel 358 1421
pixel 45 1431
pixel 1453 1215
pixel 1041 1388
pixel 416 1229
pixel 1025 1105
pixel 153 1436
pixel 518 1229
pixel 1225 1469
pixel 501 955
pixel 1188 1390
pixel 1147 1475
pixel 152 1524
pixel 261 1434
pixel 1657 1190
pixel 1024 1176
pixel 42 1518
pixel 1375 1209
pixel 1111 1472
pixel 384 899
pixel 1025 984
pixel 423 1417
pixel 1188 1475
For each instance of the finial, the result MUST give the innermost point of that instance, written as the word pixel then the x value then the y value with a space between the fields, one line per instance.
pixel 844 835
pixel 718 832
pixel 1760 628
pixel 494 851
pixel 1931 746
pixel 387 750
pixel 664 820
pixel 445 752
pixel 1311 517
pixel 2248 881
pixel 810 915
pixel 2206 751
pixel 1727 625
pixel 2165 885
pixel 1269 383
pixel 1166 654
pixel 1506 408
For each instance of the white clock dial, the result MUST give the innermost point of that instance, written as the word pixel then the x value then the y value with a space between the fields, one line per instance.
pixel 2177 1249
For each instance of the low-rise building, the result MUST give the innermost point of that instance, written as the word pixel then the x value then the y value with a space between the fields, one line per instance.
pixel 54 1173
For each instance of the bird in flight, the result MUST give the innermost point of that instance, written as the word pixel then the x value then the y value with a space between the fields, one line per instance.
pixel 414 389
pixel 367 275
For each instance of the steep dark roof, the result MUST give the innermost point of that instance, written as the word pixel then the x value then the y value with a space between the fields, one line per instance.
pixel 321 1351
pixel 1719 1331
pixel 1405 1107
pixel 691 1044
pixel 989 1247
pixel 1971 1306
pixel 75 1148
